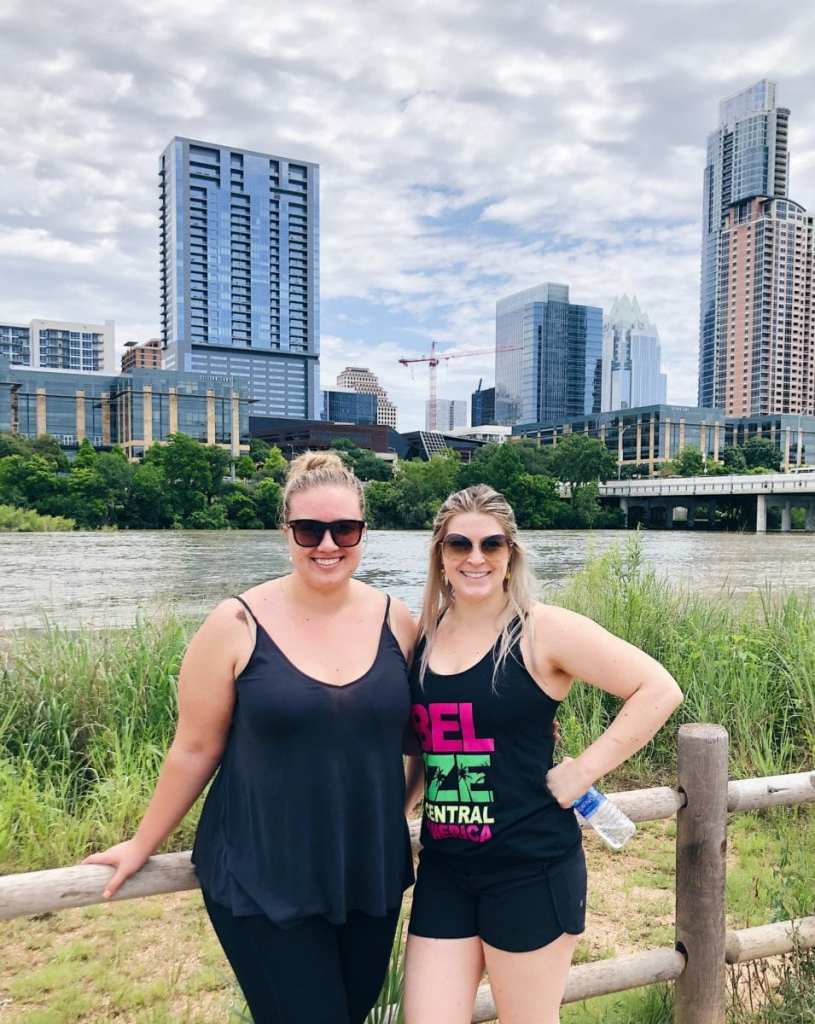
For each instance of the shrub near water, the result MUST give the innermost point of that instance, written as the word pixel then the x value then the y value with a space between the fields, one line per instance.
pixel 25 520
pixel 749 666
pixel 86 717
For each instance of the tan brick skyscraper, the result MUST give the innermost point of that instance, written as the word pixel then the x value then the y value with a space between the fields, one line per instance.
pixel 765 323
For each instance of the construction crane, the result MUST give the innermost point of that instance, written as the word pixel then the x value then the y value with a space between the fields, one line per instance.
pixel 433 361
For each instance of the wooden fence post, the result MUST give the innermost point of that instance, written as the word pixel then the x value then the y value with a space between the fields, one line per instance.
pixel 701 852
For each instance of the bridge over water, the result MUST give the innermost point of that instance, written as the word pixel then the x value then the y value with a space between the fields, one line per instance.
pixel 657 498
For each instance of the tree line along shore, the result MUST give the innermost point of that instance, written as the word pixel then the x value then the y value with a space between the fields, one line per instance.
pixel 184 484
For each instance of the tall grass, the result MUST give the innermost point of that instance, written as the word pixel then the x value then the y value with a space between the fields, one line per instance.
pixel 86 716
pixel 747 665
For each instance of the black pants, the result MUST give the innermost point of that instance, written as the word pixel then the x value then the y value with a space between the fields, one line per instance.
pixel 311 973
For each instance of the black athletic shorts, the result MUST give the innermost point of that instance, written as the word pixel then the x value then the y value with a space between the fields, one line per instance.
pixel 516 909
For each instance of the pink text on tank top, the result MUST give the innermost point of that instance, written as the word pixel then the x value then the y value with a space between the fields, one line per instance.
pixel 448 728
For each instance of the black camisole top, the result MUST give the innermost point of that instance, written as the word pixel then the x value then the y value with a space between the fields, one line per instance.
pixel 487 750
pixel 306 814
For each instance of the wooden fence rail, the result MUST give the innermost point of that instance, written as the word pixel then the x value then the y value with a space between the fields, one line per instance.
pixel 701 802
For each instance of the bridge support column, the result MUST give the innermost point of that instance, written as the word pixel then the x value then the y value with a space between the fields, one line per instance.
pixel 786 516
pixel 624 510
pixel 711 514
pixel 809 524
pixel 761 513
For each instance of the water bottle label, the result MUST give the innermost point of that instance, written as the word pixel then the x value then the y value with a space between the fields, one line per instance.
pixel 588 803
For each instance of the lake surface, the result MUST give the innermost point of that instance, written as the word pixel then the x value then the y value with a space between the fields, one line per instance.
pixel 107 578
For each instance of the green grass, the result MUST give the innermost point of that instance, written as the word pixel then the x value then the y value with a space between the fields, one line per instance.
pixel 748 665
pixel 26 520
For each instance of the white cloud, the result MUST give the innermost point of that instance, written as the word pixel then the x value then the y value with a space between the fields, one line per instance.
pixel 466 149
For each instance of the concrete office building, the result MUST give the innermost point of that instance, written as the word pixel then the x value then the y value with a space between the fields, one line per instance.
pixel 132 410
pixel 240 271
pixel 548 359
pixel 632 357
pixel 60 345
pixel 450 413
pixel 654 434
pixel 747 156
pixel 361 380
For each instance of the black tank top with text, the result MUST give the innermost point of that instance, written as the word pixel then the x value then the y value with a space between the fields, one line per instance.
pixel 487 749
pixel 306 814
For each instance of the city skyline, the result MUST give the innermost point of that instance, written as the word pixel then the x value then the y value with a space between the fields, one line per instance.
pixel 425 219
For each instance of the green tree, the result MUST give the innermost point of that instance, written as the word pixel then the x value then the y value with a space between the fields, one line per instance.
pixel 148 505
pixel 188 474
pixel 369 467
pixel 268 497
pixel 87 497
pixel 244 467
pixel 274 465
pixel 734 460
pixel 31 482
pixel 210 517
pixel 258 450
pixel 49 448
pixel 689 462
pixel 761 452
pixel 240 507
pixel 536 459
pixel 14 444
pixel 535 501
pixel 578 460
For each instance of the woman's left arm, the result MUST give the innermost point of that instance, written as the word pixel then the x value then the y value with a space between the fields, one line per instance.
pixel 576 647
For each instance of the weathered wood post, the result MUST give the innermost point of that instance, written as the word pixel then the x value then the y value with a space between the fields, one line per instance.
pixel 701 851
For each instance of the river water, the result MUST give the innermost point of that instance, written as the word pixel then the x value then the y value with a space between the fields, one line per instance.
pixel 100 579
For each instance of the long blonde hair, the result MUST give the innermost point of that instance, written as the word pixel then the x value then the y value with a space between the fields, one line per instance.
pixel 519 584
pixel 318 469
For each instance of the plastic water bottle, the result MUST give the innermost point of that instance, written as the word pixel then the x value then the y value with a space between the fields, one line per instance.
pixel 605 818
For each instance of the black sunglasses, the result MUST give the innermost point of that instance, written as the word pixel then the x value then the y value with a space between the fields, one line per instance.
pixel 308 533
pixel 458 544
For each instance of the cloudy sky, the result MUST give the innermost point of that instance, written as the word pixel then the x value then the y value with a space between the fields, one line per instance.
pixel 468 149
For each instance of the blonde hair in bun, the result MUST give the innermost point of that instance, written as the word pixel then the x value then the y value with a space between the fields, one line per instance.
pixel 318 469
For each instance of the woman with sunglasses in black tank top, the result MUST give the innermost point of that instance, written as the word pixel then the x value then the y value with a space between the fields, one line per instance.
pixel 502 878
pixel 298 692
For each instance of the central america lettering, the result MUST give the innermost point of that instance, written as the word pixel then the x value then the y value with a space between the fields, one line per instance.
pixel 457 793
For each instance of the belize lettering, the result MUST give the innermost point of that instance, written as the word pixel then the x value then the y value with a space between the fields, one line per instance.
pixel 457 795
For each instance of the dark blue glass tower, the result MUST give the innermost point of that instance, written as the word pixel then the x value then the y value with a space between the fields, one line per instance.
pixel 548 359
pixel 240 271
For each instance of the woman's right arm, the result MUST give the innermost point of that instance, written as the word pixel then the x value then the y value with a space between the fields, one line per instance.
pixel 206 696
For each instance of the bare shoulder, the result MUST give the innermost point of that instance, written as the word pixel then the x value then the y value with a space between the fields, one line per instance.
pixel 551 617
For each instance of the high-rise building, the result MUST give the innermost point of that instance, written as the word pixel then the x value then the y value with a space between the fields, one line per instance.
pixel 747 156
pixel 765 325
pixel 341 405
pixel 361 380
pixel 450 413
pixel 240 271
pixel 548 359
pixel 146 356
pixel 631 358
pixel 60 345
pixel 482 406
pixel 15 344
